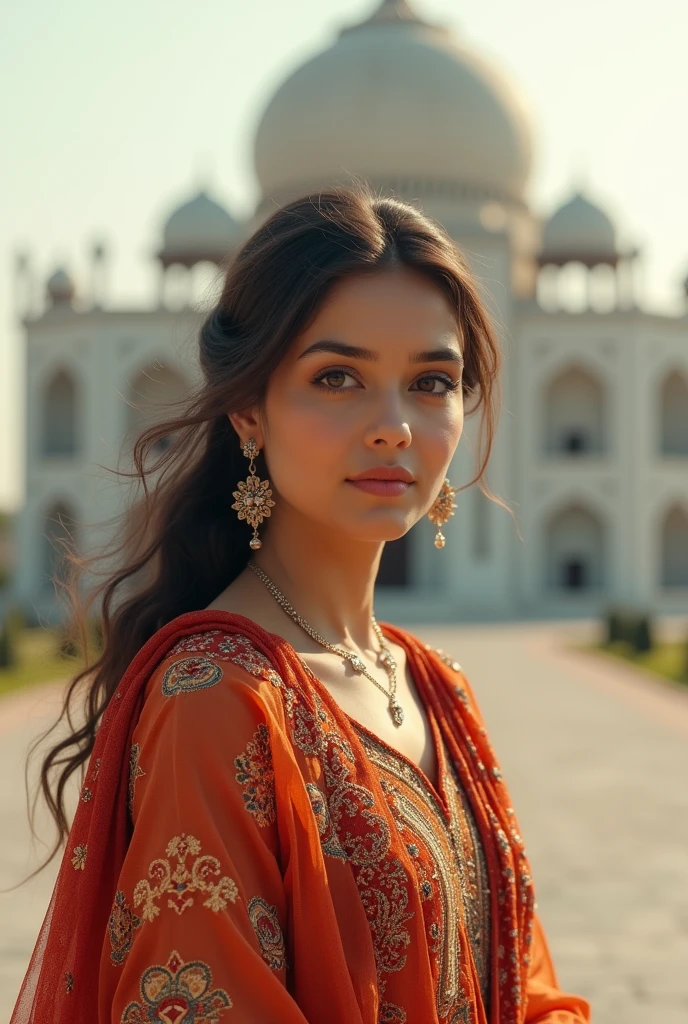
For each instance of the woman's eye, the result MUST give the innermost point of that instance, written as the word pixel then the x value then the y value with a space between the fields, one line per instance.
pixel 427 385
pixel 333 380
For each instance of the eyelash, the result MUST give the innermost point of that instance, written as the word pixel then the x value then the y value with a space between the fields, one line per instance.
pixel 451 385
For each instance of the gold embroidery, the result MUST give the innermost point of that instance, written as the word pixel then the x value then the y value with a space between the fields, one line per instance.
pixel 257 774
pixel 69 982
pixel 242 652
pixel 462 883
pixel 364 836
pixel 79 857
pixel 181 882
pixel 135 772
pixel 328 837
pixel 195 642
pixel 477 907
pixel 177 992
pixel 86 794
pixel 447 659
pixel 266 925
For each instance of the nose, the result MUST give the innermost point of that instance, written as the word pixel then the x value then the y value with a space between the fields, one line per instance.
pixel 391 432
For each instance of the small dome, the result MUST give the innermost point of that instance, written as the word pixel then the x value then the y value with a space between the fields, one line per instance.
pixel 395 98
pixel 60 288
pixel 198 230
pixel 579 231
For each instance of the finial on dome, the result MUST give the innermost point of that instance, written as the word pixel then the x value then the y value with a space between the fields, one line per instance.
pixel 389 12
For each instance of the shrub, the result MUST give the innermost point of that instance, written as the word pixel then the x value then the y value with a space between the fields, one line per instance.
pixel 631 627
pixel 8 646
pixel 67 646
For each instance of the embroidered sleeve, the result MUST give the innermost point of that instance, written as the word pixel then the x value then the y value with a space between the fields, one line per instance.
pixel 546 1003
pixel 198 925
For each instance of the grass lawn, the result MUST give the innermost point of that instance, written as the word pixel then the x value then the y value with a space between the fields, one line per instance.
pixel 37 661
pixel 665 659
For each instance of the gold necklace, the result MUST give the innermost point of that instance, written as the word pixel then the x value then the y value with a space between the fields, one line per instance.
pixel 385 656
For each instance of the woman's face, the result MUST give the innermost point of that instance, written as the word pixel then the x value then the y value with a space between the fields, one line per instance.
pixel 375 381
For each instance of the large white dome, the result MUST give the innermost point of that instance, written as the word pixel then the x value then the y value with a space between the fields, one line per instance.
pixel 395 98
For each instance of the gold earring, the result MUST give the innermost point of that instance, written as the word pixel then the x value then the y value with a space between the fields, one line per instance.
pixel 253 497
pixel 441 510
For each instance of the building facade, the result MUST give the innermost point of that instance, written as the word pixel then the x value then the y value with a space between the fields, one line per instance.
pixel 591 452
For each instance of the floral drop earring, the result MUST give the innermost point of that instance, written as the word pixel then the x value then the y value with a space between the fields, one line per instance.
pixel 441 510
pixel 253 499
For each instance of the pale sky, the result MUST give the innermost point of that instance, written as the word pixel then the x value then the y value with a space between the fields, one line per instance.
pixel 111 115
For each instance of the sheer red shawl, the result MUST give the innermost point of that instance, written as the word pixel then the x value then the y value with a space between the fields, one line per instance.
pixel 76 921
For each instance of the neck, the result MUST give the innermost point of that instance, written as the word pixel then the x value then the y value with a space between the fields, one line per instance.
pixel 328 579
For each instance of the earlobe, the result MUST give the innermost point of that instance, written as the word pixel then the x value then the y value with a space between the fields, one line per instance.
pixel 247 424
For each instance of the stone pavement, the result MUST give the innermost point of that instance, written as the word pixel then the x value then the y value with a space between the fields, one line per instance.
pixel 595 756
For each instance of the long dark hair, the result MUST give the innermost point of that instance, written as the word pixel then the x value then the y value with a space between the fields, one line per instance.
pixel 181 544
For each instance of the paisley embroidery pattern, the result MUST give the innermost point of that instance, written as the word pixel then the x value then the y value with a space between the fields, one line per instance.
pixel 190 674
pixel 328 837
pixel 240 650
pixel 135 772
pixel 121 926
pixel 363 834
pixel 177 992
pixel 266 925
pixel 180 883
pixel 446 866
pixel 257 775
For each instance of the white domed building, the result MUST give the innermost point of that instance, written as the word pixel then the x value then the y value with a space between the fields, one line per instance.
pixel 592 447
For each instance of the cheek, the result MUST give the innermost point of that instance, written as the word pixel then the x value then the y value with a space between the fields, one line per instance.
pixel 305 438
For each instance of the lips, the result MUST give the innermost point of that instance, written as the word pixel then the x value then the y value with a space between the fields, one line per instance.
pixel 399 473
pixel 385 481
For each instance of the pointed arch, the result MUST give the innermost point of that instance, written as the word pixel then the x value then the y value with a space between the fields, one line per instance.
pixel 574 421
pixel 575 550
pixel 60 434
pixel 674 547
pixel 674 414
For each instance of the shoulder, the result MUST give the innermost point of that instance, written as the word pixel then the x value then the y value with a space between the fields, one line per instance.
pixel 213 679
pixel 437 652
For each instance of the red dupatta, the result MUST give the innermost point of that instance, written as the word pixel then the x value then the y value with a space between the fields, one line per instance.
pixel 71 937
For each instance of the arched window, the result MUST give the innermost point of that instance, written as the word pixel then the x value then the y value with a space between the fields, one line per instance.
pixel 58 537
pixel 575 551
pixel 150 394
pixel 574 414
pixel 674 415
pixel 674 548
pixel 60 416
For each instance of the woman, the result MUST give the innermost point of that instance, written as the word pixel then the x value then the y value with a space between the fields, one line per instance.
pixel 289 813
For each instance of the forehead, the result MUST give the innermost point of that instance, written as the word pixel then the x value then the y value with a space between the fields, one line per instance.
pixel 400 303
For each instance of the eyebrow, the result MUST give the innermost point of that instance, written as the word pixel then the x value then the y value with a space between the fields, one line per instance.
pixel 340 348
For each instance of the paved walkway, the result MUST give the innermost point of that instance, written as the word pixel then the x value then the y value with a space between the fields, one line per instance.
pixel 596 759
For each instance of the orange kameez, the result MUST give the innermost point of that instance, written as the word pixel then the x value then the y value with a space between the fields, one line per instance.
pixel 286 865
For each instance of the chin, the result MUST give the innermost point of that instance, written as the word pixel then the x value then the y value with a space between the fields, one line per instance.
pixel 387 529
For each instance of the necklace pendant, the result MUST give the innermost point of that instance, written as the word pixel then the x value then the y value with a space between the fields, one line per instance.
pixel 396 711
pixel 387 659
pixel 357 664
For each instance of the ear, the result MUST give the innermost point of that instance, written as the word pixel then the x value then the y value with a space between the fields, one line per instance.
pixel 247 424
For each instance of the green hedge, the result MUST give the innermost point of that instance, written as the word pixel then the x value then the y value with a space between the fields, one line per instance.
pixel 630 626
